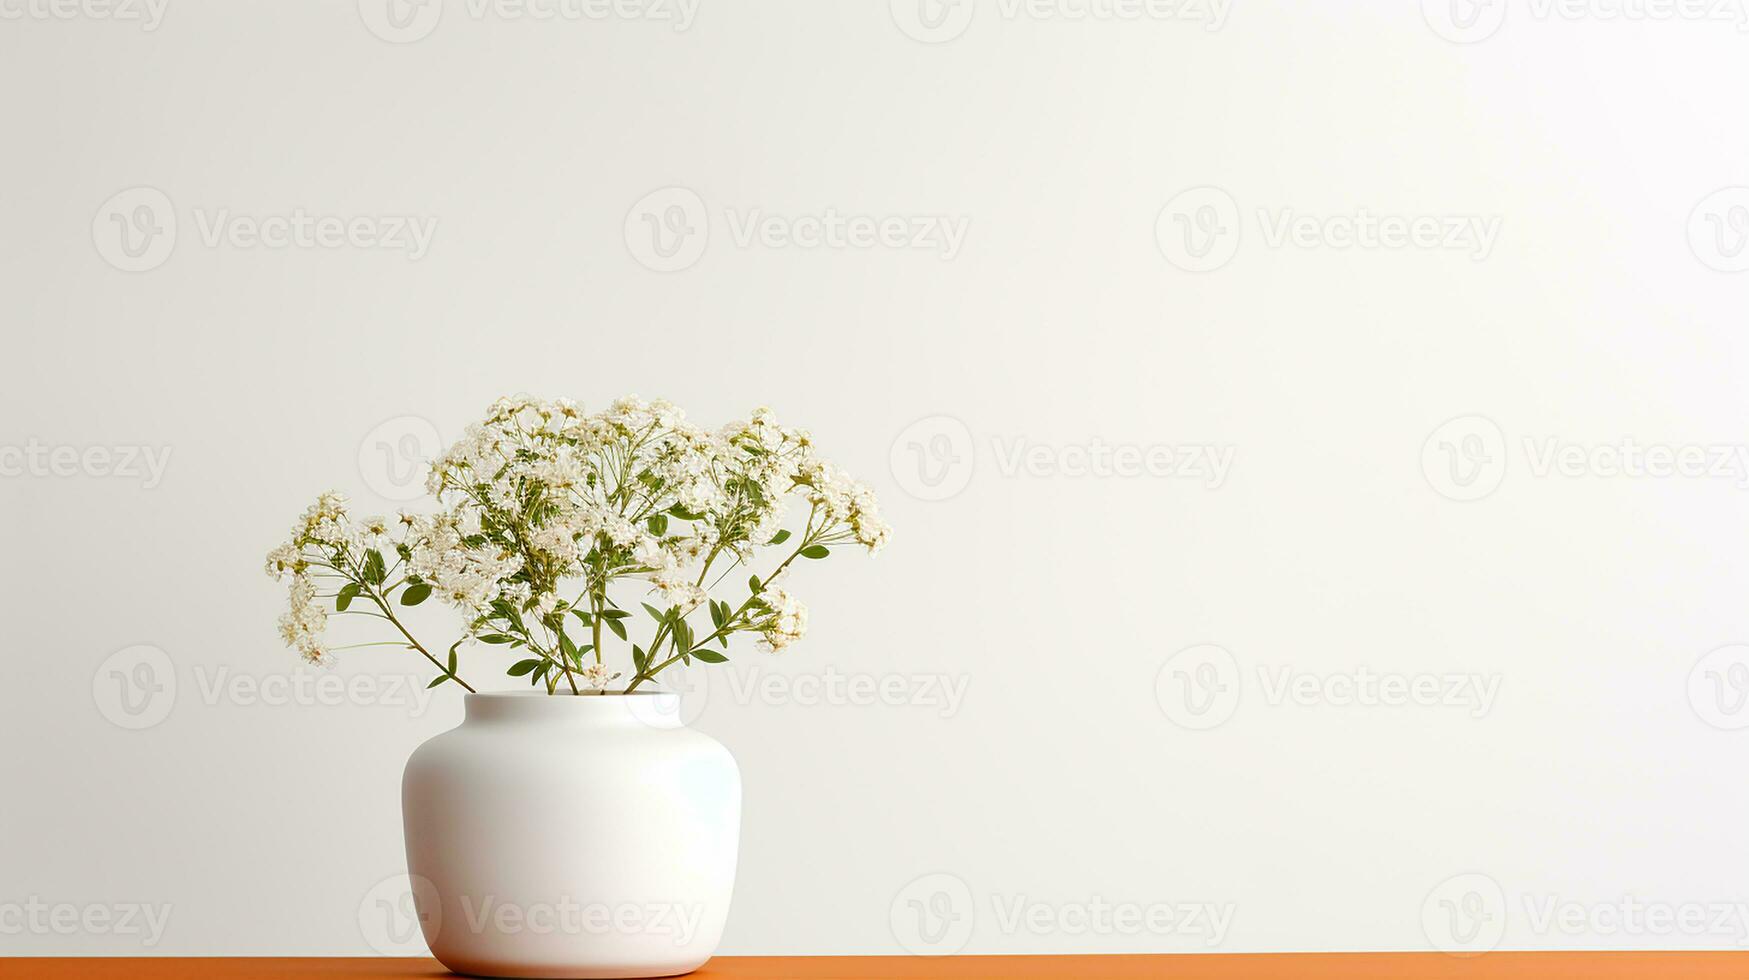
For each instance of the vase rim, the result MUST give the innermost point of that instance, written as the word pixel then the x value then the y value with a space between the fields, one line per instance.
pixel 654 709
pixel 568 694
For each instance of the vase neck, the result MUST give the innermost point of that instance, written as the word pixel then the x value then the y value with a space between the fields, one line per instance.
pixel 654 710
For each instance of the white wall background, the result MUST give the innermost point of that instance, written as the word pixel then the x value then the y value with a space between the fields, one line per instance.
pixel 1605 770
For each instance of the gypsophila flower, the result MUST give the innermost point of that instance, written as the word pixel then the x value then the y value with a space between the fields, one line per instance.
pixel 596 676
pixel 540 502
pixel 301 626
pixel 786 622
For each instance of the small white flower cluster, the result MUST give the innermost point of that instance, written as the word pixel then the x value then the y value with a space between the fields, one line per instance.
pixel 541 505
pixel 302 626
pixel 637 490
pixel 596 676
pixel 324 529
pixel 844 501
pixel 786 622
pixel 445 553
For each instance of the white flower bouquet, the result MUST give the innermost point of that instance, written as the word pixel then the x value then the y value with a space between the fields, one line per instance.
pixel 545 517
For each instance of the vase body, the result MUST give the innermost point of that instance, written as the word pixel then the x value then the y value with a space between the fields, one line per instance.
pixel 572 836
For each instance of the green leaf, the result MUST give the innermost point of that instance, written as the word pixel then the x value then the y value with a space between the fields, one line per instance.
pixel 570 650
pixel 658 524
pixel 781 536
pixel 716 615
pixel 415 594
pixel 452 658
pixel 614 614
pixel 541 671
pixel 710 656
pixel 618 628
pixel 684 514
pixel 584 616
pixel 521 667
pixel 639 659
pixel 496 638
pixel 753 584
pixel 440 679
pixel 816 551
pixel 348 592
pixel 682 635
pixel 374 569
pixel 655 614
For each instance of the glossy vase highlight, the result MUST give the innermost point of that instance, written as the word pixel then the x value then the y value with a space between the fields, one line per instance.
pixel 572 836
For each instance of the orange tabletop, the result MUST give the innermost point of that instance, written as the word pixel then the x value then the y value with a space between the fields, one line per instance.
pixel 1313 966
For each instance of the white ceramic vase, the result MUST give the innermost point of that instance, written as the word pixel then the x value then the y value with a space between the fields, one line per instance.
pixel 572 836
